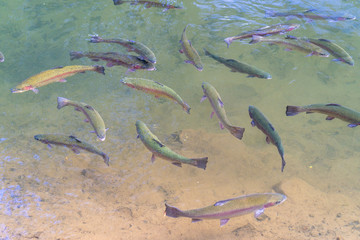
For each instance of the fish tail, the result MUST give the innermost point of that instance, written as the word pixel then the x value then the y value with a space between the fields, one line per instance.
pixel 95 39
pixel 118 2
pixel 293 110
pixel 200 162
pixel 76 55
pixel 206 52
pixel 62 102
pixel 283 163
pixel 187 107
pixel 228 41
pixel 255 39
pixel 237 131
pixel 173 211
pixel 99 69
pixel 106 158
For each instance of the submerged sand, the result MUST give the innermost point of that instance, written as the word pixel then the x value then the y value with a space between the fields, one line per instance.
pixel 78 197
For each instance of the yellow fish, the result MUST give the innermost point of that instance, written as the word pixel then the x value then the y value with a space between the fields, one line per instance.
pixel 57 74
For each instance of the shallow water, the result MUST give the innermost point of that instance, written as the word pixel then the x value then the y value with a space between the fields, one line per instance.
pixel 56 194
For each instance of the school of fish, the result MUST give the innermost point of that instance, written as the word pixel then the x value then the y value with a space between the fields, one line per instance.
pixel 145 59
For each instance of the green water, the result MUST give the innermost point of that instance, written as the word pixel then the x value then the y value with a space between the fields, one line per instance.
pixel 56 194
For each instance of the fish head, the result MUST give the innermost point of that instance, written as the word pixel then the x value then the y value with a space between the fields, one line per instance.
pixel 251 111
pixel 199 66
pixel 275 199
pixel 205 86
pixel 40 137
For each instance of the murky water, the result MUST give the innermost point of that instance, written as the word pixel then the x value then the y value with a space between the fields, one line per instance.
pixel 56 194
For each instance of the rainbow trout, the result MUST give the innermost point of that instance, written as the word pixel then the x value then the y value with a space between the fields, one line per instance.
pixel 236 66
pixel 338 52
pixel 264 31
pixel 190 52
pixel 218 107
pixel 158 149
pixel 262 123
pixel 148 4
pixel 144 52
pixel 290 44
pixel 226 209
pixel 157 89
pixel 57 74
pixel 92 116
pixel 71 142
pixel 332 111
pixel 308 14
pixel 113 59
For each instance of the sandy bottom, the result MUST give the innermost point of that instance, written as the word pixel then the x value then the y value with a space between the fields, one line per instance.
pixel 78 197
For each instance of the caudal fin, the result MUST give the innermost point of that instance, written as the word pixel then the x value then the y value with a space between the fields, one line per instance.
pixel 256 39
pixel 200 162
pixel 293 110
pixel 62 102
pixel 106 158
pixel 76 55
pixel 228 41
pixel 99 69
pixel 238 132
pixel 173 211
pixel 283 163
pixel 118 2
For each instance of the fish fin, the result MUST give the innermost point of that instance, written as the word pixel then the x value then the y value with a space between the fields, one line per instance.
pixel 336 60
pixel 283 163
pixel 221 104
pixel 222 202
pixel 92 132
pixel 75 138
pixel 271 126
pixel 259 212
pixel 223 221
pixel 35 90
pixel 212 114
pixel 106 158
pixel 188 61
pixel 177 164
pixel 153 158
pixel 159 83
pixel 255 39
pixel 75 150
pixel 62 102
pixel 158 142
pixel 200 162
pixel 181 50
pixel 203 98
pixel 311 54
pixel 221 125
pixel 138 136
pixel 172 211
pixel 118 2
pixel 329 118
pixel 352 125
pixel 76 55
pixel 99 69
pixel 49 146
pixel 195 220
pixel 77 109
pixel 86 120
pixel 293 110
pixel 238 132
pixel 253 123
pixel 333 104
pixel 109 64
pixel 190 43
pixel 228 41
pixel 290 37
pixel 288 49
pixel 268 141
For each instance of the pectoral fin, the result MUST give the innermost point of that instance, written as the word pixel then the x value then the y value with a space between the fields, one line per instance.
pixel 153 158
pixel 329 118
pixel 220 203
pixel 212 114
pixel 253 123
pixel 75 150
pixel 221 125
pixel 160 144
pixel 203 98
pixel 223 221
pixel 177 164
pixel 259 212
pixel 221 104
pixel 195 220
pixel 353 125
pixel 268 140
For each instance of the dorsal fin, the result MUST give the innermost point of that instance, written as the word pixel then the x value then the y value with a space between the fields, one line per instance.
pixel 333 104
pixel 75 138
pixel 159 83
pixel 324 40
pixel 158 142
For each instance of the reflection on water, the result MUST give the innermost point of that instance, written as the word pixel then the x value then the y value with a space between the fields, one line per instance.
pixel 56 194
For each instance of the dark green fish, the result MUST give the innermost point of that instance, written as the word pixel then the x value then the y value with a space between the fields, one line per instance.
pixel 148 4
pixel 113 59
pixel 236 66
pixel 332 111
pixel 308 14
pixel 158 149
pixel 226 209
pixel 71 142
pixel 144 52
pixel 293 44
pixel 264 31
pixel 262 123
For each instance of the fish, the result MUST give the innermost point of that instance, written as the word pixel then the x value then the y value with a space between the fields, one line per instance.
pixel 229 208
pixel 113 59
pixel 338 52
pixel 149 4
pixel 264 31
pixel 158 149
pixel 190 52
pixel 2 57
pixel 57 74
pixel 308 14
pixel 297 44
pixel 157 89
pixel 236 66
pixel 218 108
pixel 92 116
pixel 71 142
pixel 262 123
pixel 332 110
pixel 144 52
